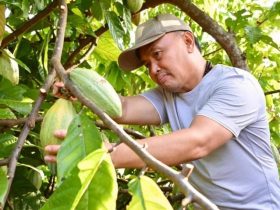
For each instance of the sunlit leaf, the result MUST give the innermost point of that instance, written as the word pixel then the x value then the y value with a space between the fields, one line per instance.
pixel 146 195
pixel 253 34
pixel 3 184
pixel 7 114
pixel 82 138
pixel 104 187
pixel 9 67
pixel 115 28
pixel 19 106
pixel 7 142
pixel 106 47
pixel 74 187
pixel 268 40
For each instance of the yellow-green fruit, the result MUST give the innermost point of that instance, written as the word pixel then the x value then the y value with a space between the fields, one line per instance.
pixel 98 90
pixel 59 116
pixel 134 5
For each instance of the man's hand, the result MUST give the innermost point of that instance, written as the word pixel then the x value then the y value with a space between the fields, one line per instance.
pixel 52 150
pixel 57 88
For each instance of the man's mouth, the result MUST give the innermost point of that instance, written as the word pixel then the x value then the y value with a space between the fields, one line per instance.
pixel 162 77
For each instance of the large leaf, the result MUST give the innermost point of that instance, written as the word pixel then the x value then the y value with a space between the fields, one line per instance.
pixel 7 114
pixel 82 138
pixel 19 106
pixel 115 28
pixel 146 195
pixel 102 191
pixel 71 191
pixel 7 142
pixel 106 48
pixel 9 91
pixel 9 67
pixel 3 184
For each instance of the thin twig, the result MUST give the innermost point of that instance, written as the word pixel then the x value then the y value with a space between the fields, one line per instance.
pixel 13 122
pixel 271 92
pixel 131 132
pixel 4 162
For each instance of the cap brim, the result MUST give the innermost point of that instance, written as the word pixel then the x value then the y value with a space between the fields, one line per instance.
pixel 128 59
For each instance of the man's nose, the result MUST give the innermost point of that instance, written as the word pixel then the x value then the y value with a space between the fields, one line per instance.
pixel 154 68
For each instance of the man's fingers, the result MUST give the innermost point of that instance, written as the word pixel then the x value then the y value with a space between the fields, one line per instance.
pixel 52 149
pixel 59 84
pixel 50 159
pixel 60 133
pixel 56 88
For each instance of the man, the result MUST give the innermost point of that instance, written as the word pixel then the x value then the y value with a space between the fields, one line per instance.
pixel 217 115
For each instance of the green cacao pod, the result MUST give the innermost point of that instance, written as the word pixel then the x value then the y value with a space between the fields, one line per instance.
pixel 98 90
pixel 9 67
pixel 134 5
pixel 59 116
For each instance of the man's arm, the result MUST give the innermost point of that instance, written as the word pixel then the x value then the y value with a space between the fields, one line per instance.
pixel 202 138
pixel 137 110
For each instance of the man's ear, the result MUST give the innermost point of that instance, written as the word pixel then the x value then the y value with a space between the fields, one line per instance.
pixel 189 40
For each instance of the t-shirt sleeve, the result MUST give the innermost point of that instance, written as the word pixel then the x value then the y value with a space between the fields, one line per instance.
pixel 156 98
pixel 234 103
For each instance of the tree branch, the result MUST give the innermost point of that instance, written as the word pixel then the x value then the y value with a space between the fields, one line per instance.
pixel 13 122
pixel 133 133
pixel 29 24
pixel 4 162
pixel 152 162
pixel 29 124
pixel 225 39
pixel 271 92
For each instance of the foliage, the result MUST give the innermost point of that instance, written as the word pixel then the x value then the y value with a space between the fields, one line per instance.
pixel 86 171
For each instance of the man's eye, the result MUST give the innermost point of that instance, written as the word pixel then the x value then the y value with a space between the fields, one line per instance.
pixel 157 54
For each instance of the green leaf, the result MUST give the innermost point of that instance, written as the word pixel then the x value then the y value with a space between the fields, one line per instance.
pixel 97 10
pixel 3 184
pixel 35 175
pixel 7 114
pixel 106 48
pixel 115 28
pixel 82 138
pixel 268 40
pixel 9 91
pixel 146 195
pixel 103 186
pixel 9 67
pixel 19 106
pixel 7 142
pixel 253 34
pixel 74 187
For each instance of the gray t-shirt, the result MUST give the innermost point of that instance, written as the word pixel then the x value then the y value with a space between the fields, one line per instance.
pixel 241 174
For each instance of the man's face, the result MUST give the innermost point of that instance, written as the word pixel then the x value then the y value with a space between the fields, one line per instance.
pixel 167 61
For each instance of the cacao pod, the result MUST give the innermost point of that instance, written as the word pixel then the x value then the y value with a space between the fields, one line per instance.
pixel 59 116
pixel 98 90
pixel 134 5
pixel 9 67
